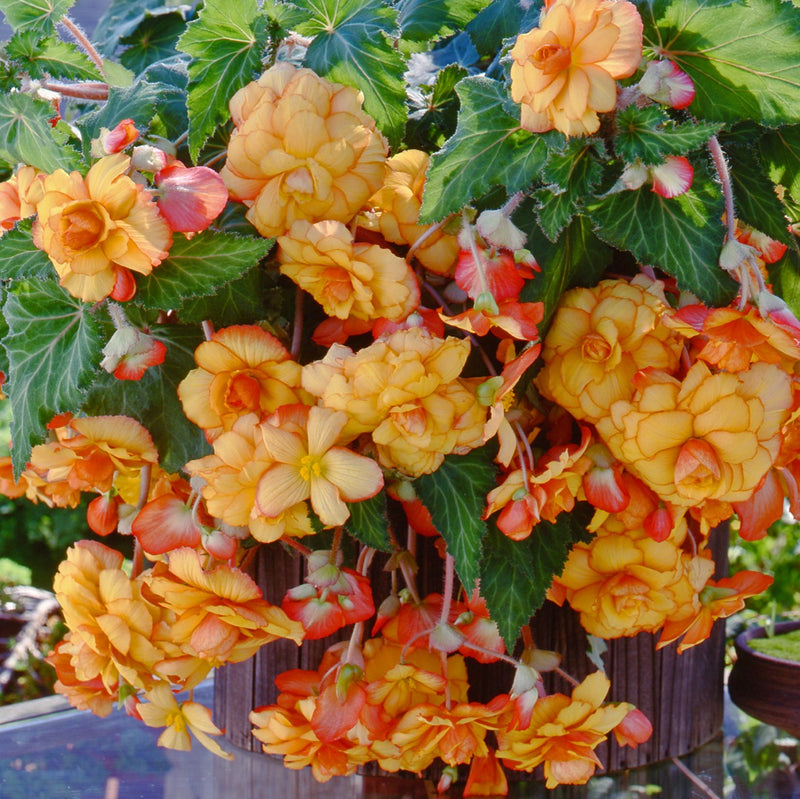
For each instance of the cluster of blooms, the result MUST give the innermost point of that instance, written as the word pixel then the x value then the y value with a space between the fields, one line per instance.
pixel 667 416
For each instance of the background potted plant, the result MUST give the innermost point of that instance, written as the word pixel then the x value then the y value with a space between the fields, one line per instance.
pixel 516 278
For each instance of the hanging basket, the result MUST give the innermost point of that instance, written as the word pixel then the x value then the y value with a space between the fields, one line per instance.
pixel 682 694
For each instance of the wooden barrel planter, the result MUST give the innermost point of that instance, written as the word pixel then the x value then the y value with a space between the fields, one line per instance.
pixel 682 694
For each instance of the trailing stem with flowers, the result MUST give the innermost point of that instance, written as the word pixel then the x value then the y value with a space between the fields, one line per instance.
pixel 326 277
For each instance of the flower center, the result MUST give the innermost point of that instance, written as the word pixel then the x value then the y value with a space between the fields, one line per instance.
pixel 82 226
pixel 697 469
pixel 244 393
pixel 595 348
pixel 310 467
pixel 552 58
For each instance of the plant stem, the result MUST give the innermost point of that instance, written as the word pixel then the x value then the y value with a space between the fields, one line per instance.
pixel 81 38
pixel 297 327
pixel 91 90
pixel 721 165
pixel 695 780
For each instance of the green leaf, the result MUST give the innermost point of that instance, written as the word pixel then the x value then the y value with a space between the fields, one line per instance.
pixel 39 15
pixel 423 20
pixel 50 57
pixel 780 150
pixel 121 19
pixel 756 201
pixel 27 137
pixel 515 575
pixel 153 400
pixel 742 56
pixel 236 303
pixel 498 21
pixel 54 347
pixel 197 267
pixel 455 495
pixel 369 523
pixel 683 235
pixel 20 259
pixel 647 134
pixel 436 114
pixel 488 149
pixel 573 173
pixel 226 42
pixel 352 46
pixel 785 279
pixel 577 258
pixel 154 40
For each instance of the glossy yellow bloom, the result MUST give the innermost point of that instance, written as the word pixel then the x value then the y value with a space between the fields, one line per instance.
pixel 310 465
pixel 390 373
pixel 415 437
pixel 112 626
pixel 455 734
pixel 348 279
pixel 242 369
pixel 163 710
pixel 90 225
pixel 302 148
pixel 599 338
pixel 711 437
pixel 564 72
pixel 623 582
pixel 563 733
pixel 220 614
pixel 394 212
pixel 232 474
pixel 90 451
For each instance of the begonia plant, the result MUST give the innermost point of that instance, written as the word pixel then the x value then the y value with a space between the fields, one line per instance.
pixel 324 277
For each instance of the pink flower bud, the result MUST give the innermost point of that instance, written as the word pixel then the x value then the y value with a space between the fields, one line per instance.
pixel 130 352
pixel 673 177
pixel 113 141
pixel 665 83
pixel 147 158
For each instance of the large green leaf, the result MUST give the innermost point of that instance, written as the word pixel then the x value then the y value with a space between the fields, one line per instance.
pixel 54 347
pixel 239 302
pixel 500 20
pixel 20 259
pixel 515 575
pixel 488 149
pixel 369 523
pixel 423 20
pixel 121 18
pixel 226 42
pixel 153 40
pixel 648 134
pixel 50 57
pixel 742 56
pixel 455 495
pixel 785 279
pixel 27 137
pixel 572 173
pixel 576 258
pixel 781 152
pixel 682 235
pixel 40 15
pixel 352 45
pixel 197 267
pixel 754 195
